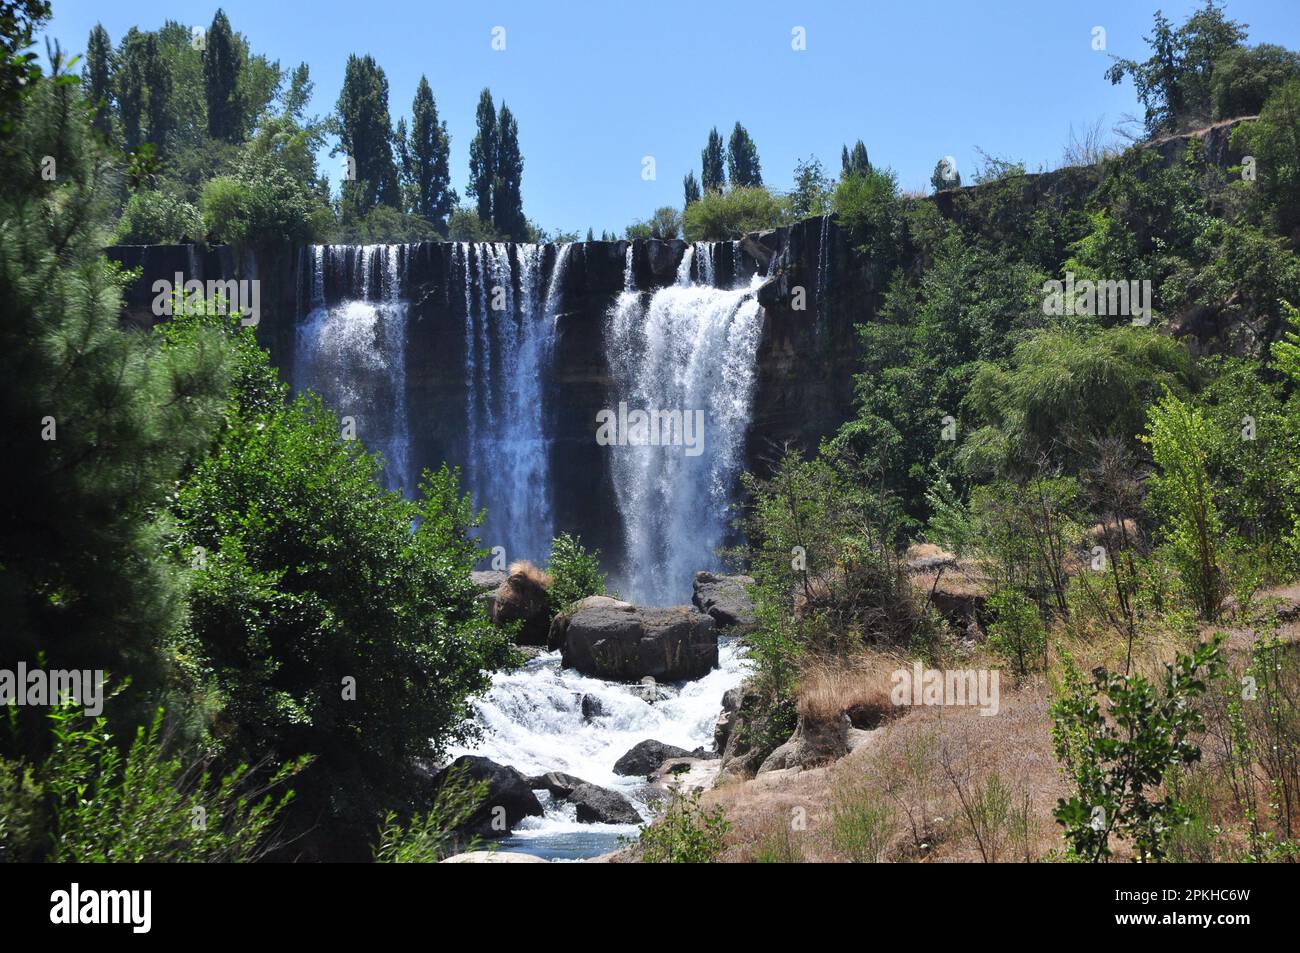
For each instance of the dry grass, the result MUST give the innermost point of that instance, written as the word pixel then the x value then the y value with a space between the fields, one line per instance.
pixel 857 687
pixel 528 571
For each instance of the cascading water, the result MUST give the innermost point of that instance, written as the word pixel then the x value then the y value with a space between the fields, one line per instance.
pixel 353 352
pixel 532 720
pixel 690 349
pixel 509 335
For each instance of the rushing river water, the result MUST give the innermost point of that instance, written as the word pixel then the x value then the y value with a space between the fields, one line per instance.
pixel 532 720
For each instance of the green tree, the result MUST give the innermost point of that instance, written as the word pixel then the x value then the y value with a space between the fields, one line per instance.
pixel 158 80
pixel 435 199
pixel 483 156
pixel 1175 83
pixel 1244 77
pixel 690 189
pixel 1274 141
pixel 366 138
pixel 729 215
pixel 575 572
pixel 713 158
pixel 742 159
pixel 507 198
pixel 854 162
pixel 98 77
pixel 132 88
pixel 812 189
pixel 221 66
pixel 299 93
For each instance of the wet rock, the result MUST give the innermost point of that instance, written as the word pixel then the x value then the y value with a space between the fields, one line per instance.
pixel 627 643
pixel 597 805
pixel 558 783
pixel 646 756
pixel 592 707
pixel 725 599
pixel 506 789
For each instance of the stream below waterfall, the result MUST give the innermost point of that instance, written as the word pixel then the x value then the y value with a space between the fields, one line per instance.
pixel 532 720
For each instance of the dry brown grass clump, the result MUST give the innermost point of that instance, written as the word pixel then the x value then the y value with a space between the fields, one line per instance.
pixel 534 574
pixel 858 687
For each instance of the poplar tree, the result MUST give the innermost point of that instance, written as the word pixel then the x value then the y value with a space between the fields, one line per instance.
pixel 97 77
pixel 713 175
pixel 366 137
pixel 742 159
pixel 221 62
pixel 434 198
pixel 507 197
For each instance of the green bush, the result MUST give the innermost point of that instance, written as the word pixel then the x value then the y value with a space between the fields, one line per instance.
pixel 158 218
pixel 1117 755
pixel 861 822
pixel 434 834
pixel 686 833
pixel 868 208
pixel 1017 632
pixel 730 215
pixel 575 572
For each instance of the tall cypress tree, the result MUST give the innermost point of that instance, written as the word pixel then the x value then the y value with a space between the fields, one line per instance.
pixel 221 62
pixel 132 98
pixel 430 158
pixel 691 186
pixel 158 82
pixel 713 175
pixel 855 162
pixel 97 77
pixel 507 196
pixel 742 159
pixel 483 155
pixel 366 136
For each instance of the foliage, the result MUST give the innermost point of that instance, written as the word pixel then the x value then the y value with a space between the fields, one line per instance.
pixel 575 572
pixel 1175 83
pixel 365 139
pixel 812 190
pixel 1180 436
pixel 1117 757
pixel 742 159
pixel 1017 632
pixel 686 833
pixel 158 218
pixel 713 176
pixel 861 822
pixel 867 208
pixel 149 806
pixel 729 215
pixel 432 835
pixel 1243 78
pixel 664 224
pixel 1274 141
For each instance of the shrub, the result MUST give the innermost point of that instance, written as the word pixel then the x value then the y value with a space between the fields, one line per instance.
pixel 730 215
pixel 1117 757
pixel 434 834
pixel 1017 632
pixel 147 805
pixel 575 572
pixel 1274 141
pixel 868 208
pixel 861 823
pixel 686 833
pixel 158 218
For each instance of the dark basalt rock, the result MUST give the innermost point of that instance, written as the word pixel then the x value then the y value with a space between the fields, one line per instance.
pixel 626 643
pixel 506 788
pixel 602 806
pixel 646 756
pixel 726 599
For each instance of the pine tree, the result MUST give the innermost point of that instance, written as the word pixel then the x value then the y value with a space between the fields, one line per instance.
pixel 483 155
pixel 713 175
pixel 97 77
pixel 691 186
pixel 591 237
pixel 366 137
pixel 855 162
pixel 507 197
pixel 742 159
pixel 435 200
pixel 221 65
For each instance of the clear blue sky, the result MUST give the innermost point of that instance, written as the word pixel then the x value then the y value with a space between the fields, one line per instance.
pixel 596 86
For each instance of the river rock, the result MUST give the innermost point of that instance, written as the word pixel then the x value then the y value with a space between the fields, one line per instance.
pixel 506 788
pixel 494 857
pixel 597 805
pixel 523 597
pixel 726 599
pixel 592 707
pixel 626 643
pixel 646 756
pixel 558 783
pixel 811 745
pixel 560 624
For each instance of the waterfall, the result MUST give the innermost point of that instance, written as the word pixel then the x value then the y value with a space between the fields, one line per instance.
pixel 510 318
pixel 353 352
pixel 823 267
pixel 690 349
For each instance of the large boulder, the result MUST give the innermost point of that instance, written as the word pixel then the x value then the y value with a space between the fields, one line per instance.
pixel 625 643
pixel 726 599
pixel 812 744
pixel 506 789
pixel 487 582
pixel 523 597
pixel 646 756
pixel 734 734
pixel 560 624
pixel 597 805
pixel 558 783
